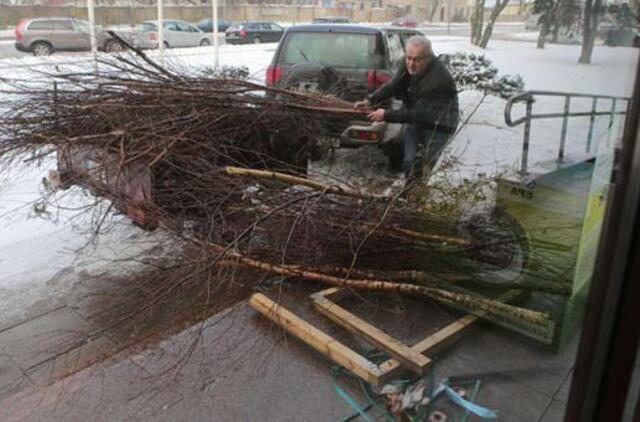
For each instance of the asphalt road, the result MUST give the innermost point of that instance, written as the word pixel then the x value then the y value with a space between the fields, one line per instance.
pixel 501 32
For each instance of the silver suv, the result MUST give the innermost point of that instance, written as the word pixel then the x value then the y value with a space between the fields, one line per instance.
pixel 43 36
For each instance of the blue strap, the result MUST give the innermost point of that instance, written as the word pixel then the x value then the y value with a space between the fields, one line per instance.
pixel 478 410
pixel 351 402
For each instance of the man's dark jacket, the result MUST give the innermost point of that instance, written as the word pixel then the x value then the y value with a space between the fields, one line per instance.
pixel 430 98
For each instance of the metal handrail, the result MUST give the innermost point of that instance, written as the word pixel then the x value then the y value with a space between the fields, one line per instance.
pixel 528 98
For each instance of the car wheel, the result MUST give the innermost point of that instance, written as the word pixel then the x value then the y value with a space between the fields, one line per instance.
pixel 166 45
pixel 205 43
pixel 41 49
pixel 256 40
pixel 113 46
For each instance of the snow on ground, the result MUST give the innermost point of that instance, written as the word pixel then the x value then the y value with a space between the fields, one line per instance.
pixel 44 257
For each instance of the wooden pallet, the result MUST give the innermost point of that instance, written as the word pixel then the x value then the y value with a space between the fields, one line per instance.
pixel 414 358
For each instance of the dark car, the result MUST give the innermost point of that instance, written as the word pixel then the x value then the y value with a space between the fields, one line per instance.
pixel 253 32
pixel 43 36
pixel 206 25
pixel 349 61
pixel 331 19
pixel 405 21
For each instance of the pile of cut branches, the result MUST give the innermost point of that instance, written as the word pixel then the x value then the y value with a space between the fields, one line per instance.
pixel 225 161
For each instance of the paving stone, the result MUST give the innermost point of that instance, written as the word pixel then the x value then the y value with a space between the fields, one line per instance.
pixel 563 394
pixel 493 349
pixel 44 337
pixel 39 309
pixel 555 412
pixel 74 360
pixel 12 379
pixel 512 400
pixel 109 391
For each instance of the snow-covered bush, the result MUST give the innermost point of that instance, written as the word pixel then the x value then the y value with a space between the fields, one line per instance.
pixel 475 71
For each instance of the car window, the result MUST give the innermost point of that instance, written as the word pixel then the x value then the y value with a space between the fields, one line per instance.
pixel 147 27
pixel 235 28
pixel 171 26
pixel 275 27
pixel 81 26
pixel 63 25
pixel 41 25
pixel 181 26
pixel 252 26
pixel 405 35
pixel 394 44
pixel 264 27
pixel 332 49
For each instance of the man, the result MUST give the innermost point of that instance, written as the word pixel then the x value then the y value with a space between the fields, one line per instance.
pixel 430 105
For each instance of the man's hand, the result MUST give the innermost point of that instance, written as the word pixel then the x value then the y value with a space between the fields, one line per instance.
pixel 361 104
pixel 376 116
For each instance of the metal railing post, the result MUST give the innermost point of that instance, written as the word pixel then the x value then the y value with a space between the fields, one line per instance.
pixel 613 112
pixel 592 119
pixel 527 136
pixel 563 134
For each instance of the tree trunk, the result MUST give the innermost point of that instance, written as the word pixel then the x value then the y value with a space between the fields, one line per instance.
pixel 556 33
pixel 477 18
pixel 434 9
pixel 589 29
pixel 544 30
pixel 497 9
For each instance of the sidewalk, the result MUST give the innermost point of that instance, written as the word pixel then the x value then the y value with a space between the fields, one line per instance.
pixel 237 365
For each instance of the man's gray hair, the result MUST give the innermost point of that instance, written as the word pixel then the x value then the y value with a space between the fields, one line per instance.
pixel 421 41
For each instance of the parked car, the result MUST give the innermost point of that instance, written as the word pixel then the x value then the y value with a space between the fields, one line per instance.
pixel 43 36
pixel 622 37
pixel 349 61
pixel 405 21
pixel 331 19
pixel 253 32
pixel 176 33
pixel 206 25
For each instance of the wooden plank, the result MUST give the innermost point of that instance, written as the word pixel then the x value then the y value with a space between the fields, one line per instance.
pixel 322 342
pixel 409 357
pixel 441 338
pixel 430 345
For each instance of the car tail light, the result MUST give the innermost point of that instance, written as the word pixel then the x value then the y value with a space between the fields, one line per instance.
pixel 243 33
pixel 19 28
pixel 273 75
pixel 376 79
pixel 364 135
pixel 152 36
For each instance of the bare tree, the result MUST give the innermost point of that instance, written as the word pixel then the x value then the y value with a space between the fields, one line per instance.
pixel 495 12
pixel 476 20
pixel 481 35
pixel 434 8
pixel 589 29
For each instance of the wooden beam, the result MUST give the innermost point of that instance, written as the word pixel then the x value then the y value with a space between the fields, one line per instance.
pixel 412 359
pixel 322 342
pixel 430 345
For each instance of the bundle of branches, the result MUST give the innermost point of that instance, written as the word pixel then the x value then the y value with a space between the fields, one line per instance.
pixel 222 159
